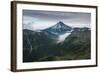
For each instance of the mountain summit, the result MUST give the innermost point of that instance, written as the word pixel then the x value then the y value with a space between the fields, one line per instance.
pixel 58 29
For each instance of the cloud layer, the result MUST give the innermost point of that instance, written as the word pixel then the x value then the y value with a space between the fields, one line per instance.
pixel 37 20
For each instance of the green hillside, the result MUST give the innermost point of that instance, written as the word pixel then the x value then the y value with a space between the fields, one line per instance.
pixel 41 46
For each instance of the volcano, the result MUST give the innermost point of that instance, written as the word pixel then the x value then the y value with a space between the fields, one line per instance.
pixel 59 28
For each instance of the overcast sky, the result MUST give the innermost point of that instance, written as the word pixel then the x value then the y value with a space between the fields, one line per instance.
pixel 37 20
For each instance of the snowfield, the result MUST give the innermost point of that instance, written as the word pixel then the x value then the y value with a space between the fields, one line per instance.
pixel 63 37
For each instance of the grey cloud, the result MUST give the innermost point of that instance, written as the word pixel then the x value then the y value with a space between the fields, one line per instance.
pixel 72 18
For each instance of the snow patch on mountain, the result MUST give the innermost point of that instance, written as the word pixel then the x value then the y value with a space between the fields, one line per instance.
pixel 38 31
pixel 62 37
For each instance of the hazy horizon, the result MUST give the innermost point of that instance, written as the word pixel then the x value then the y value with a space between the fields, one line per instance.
pixel 38 20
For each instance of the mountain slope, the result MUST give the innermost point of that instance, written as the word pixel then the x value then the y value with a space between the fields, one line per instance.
pixel 76 46
pixel 35 44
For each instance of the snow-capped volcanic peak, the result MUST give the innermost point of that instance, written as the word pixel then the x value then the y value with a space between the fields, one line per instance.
pixel 59 28
pixel 60 25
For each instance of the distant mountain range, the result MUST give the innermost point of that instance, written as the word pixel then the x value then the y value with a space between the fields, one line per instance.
pixel 42 45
